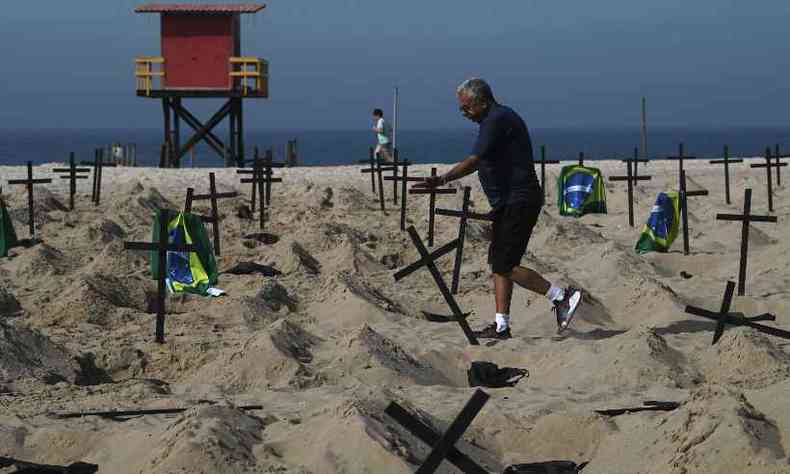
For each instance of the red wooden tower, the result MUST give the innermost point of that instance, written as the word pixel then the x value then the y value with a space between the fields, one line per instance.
pixel 201 57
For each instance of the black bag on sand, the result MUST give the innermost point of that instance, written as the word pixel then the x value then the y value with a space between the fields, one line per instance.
pixel 488 374
pixel 548 467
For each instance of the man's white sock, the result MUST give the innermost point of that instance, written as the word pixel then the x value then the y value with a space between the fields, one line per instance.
pixel 555 293
pixel 502 322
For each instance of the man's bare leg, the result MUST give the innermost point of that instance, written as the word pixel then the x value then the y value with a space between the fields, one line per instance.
pixel 529 279
pixel 503 288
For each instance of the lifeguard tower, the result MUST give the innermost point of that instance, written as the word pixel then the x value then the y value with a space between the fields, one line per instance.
pixel 201 58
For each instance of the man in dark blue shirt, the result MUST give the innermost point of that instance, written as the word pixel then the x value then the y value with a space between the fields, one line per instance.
pixel 502 156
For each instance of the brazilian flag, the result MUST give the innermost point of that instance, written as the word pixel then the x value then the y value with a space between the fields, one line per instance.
pixel 662 226
pixel 7 235
pixel 189 272
pixel 581 191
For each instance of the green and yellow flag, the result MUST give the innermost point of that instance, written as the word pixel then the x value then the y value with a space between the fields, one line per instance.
pixel 581 191
pixel 662 226
pixel 7 235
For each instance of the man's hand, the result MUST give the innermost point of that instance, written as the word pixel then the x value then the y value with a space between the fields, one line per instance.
pixel 430 182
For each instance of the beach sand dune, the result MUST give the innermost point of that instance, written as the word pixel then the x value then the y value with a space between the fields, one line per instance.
pixel 329 342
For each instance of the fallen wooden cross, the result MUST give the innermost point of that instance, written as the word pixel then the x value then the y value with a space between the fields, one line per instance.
pixel 29 183
pixel 24 467
pixel 404 180
pixel 443 445
pixel 746 218
pixel 432 192
pixel 161 247
pixel 650 405
pixel 724 316
pixel 684 195
pixel 543 162
pixel 768 181
pixel 726 161
pixel 464 214
pixel 98 165
pixel 113 414
pixel 73 175
pixel 428 260
pixel 212 196
pixel 632 178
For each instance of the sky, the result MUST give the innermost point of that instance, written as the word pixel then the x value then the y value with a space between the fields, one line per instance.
pixel 562 63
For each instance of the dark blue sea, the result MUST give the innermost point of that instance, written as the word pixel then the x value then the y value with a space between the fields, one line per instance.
pixel 321 148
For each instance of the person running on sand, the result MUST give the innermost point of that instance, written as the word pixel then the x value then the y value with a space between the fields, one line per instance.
pixel 383 132
pixel 502 156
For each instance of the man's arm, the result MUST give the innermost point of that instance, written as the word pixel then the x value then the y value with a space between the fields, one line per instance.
pixel 464 168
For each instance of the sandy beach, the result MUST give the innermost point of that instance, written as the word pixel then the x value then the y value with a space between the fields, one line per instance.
pixel 77 333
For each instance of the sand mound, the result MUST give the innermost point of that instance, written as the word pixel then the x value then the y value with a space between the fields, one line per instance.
pixel 337 233
pixel 44 203
pixel 40 262
pixel 745 358
pixel 637 359
pixel 691 439
pixel 207 440
pixel 297 259
pixel 103 231
pixel 25 353
pixel 349 256
pixel 95 297
pixel 349 301
pixel 375 359
pixel 352 199
pixel 276 357
pixel 564 235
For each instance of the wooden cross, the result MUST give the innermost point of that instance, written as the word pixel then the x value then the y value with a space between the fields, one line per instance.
pixel 29 183
pixel 778 157
pixel 746 218
pixel 372 170
pixel 684 195
pixel 679 158
pixel 268 171
pixel 161 247
pixel 724 316
pixel 432 192
pixel 632 179
pixel 648 405
pixel 636 160
pixel 428 260
pixel 443 445
pixel 726 161
pixel 543 162
pixel 263 167
pixel 73 175
pixel 404 180
pixel 378 169
pixel 768 165
pixel 213 196
pixel 464 214
pixel 98 165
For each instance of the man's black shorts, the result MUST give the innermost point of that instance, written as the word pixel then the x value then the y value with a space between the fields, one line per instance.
pixel 512 229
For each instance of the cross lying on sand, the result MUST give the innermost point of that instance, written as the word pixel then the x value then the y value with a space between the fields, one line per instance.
pixel 213 196
pixel 432 192
pixel 119 415
pixel 684 208
pixel 649 405
pixel 464 214
pixel 747 217
pixel 35 468
pixel 29 183
pixel 768 165
pixel 724 316
pixel 161 247
pixel 429 260
pixel 726 161
pixel 632 178
pixel 73 175
pixel 443 445
pixel 98 165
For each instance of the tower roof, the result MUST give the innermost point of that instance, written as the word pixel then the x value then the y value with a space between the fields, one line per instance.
pixel 201 9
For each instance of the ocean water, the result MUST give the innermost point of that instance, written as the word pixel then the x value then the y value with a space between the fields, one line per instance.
pixel 322 148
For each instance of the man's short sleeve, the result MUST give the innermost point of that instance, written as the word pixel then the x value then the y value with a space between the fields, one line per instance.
pixel 492 132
